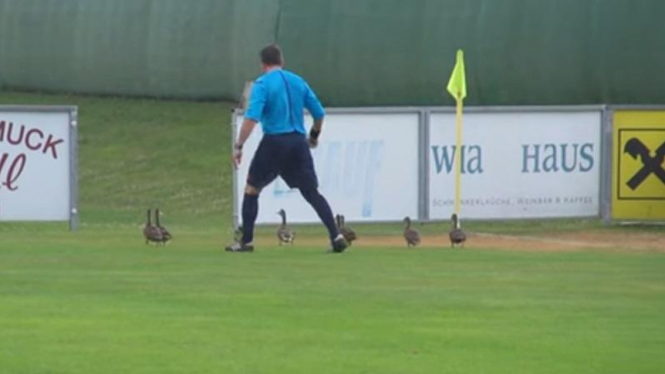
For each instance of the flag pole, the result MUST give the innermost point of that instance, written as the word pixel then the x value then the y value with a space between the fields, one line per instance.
pixel 457 89
pixel 458 157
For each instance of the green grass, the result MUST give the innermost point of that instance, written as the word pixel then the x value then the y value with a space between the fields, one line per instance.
pixel 100 301
pixel 106 303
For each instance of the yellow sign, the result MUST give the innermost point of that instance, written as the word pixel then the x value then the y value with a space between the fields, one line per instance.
pixel 638 181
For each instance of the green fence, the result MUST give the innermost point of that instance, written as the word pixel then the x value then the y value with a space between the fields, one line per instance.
pixel 354 52
pixel 165 48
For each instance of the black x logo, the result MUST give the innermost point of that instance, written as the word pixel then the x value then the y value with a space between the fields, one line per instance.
pixel 652 165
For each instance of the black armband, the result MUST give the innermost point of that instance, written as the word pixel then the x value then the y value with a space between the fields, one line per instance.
pixel 314 133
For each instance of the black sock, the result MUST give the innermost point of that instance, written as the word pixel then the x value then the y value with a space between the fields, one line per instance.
pixel 322 208
pixel 250 209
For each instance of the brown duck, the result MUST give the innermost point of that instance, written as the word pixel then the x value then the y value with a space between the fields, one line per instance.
pixel 151 233
pixel 166 235
pixel 347 232
pixel 457 236
pixel 412 236
pixel 284 234
pixel 237 234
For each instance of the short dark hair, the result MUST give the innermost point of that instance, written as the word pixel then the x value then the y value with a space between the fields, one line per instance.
pixel 272 55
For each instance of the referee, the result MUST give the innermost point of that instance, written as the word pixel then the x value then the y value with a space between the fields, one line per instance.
pixel 277 101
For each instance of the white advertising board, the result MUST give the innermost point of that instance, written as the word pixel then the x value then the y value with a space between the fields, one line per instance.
pixel 367 165
pixel 36 164
pixel 517 164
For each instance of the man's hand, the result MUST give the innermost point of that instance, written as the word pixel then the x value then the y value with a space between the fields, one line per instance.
pixel 314 133
pixel 237 156
pixel 313 143
pixel 245 131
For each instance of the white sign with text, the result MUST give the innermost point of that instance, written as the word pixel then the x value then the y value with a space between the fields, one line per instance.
pixel 517 164
pixel 34 165
pixel 367 165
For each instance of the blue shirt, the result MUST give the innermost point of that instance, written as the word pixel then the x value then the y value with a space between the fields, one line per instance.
pixel 277 102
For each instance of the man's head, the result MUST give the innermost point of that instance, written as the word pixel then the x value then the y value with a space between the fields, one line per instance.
pixel 271 57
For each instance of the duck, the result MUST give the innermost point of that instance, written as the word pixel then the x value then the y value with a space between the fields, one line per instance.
pixel 412 236
pixel 237 234
pixel 457 236
pixel 166 235
pixel 348 233
pixel 151 233
pixel 284 233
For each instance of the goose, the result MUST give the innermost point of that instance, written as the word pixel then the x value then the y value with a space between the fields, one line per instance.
pixel 237 234
pixel 166 235
pixel 348 233
pixel 150 232
pixel 411 236
pixel 284 233
pixel 457 236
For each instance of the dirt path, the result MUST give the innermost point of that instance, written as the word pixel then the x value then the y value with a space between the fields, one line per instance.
pixel 599 240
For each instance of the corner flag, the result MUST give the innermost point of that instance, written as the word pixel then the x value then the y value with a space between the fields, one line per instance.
pixel 457 82
pixel 457 88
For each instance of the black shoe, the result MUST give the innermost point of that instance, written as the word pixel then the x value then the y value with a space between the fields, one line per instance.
pixel 339 245
pixel 240 247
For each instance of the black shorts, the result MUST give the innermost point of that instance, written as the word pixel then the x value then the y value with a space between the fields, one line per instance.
pixel 284 155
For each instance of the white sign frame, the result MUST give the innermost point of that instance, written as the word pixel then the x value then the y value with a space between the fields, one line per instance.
pixel 415 212
pixel 72 136
pixel 603 164
pixel 600 168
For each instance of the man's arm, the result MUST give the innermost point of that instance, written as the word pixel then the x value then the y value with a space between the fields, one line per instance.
pixel 318 124
pixel 245 131
pixel 257 102
pixel 315 132
pixel 314 106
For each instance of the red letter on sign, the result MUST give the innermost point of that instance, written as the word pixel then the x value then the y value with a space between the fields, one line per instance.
pixel 51 144
pixel 18 140
pixel 28 137
pixel 15 171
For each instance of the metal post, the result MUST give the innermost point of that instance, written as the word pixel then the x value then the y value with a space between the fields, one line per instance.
pixel 73 170
pixel 234 129
pixel 423 166
pixel 606 165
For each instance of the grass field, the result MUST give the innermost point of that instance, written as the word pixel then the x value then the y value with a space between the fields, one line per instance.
pixel 101 301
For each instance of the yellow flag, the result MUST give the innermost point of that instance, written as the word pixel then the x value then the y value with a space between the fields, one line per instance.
pixel 457 82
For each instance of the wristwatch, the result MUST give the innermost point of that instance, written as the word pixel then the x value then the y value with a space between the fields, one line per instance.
pixel 237 147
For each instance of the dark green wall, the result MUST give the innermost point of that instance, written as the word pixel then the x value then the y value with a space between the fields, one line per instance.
pixel 167 48
pixel 354 52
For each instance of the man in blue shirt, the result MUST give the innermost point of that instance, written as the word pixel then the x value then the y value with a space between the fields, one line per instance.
pixel 277 102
